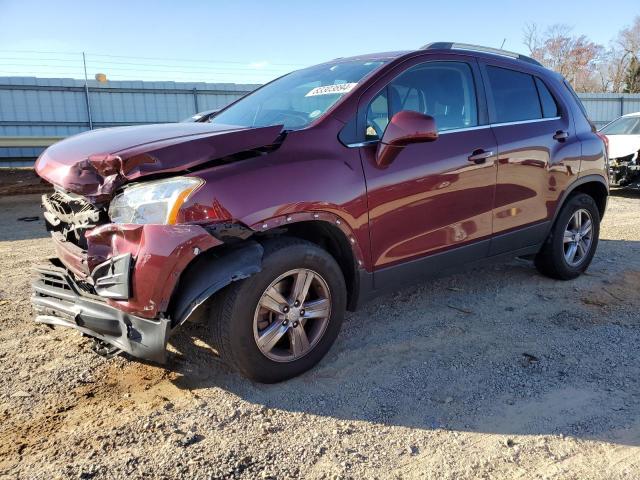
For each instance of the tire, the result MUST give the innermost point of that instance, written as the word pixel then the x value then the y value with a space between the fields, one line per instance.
pixel 553 259
pixel 237 316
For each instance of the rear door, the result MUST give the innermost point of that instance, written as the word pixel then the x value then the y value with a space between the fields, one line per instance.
pixel 538 154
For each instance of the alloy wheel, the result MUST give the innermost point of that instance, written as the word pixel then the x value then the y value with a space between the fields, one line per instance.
pixel 578 236
pixel 292 315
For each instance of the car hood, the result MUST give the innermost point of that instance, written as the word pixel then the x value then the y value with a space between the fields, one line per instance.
pixel 96 163
pixel 623 145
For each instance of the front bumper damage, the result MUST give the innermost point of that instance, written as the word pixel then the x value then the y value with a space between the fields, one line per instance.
pixel 58 299
pixel 116 283
pixel 625 171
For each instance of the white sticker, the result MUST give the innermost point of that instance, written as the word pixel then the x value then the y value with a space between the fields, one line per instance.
pixel 331 89
pixel 315 113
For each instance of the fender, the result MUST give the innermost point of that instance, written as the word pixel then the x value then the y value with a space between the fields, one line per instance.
pixel 281 221
pixel 210 273
pixel 571 188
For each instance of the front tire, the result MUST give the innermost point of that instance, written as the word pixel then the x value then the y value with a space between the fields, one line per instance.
pixel 573 240
pixel 281 321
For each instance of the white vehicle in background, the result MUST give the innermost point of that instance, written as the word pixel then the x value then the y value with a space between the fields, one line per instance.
pixel 624 150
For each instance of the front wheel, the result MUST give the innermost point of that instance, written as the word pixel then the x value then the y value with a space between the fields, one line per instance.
pixel 570 247
pixel 283 320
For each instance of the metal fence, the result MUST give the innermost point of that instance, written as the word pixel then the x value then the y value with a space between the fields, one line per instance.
pixel 605 107
pixel 35 112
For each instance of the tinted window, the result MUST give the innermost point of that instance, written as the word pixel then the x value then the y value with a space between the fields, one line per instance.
pixel 549 105
pixel 576 98
pixel 444 90
pixel 514 95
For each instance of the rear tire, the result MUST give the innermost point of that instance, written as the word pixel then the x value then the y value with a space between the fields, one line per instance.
pixel 240 322
pixel 573 240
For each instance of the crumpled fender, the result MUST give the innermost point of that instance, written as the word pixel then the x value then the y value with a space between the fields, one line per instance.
pixel 209 274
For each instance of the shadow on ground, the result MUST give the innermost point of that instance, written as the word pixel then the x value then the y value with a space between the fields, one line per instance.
pixel 545 357
pixel 22 218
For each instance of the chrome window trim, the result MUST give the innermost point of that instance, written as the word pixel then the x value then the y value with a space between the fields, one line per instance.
pixel 520 122
pixel 466 129
pixel 362 144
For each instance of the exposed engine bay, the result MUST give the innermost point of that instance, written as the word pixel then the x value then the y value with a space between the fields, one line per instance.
pixel 625 171
pixel 71 215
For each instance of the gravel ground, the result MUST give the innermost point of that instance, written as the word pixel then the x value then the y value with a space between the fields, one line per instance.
pixel 493 373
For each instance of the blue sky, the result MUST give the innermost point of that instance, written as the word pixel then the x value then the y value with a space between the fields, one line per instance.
pixel 252 41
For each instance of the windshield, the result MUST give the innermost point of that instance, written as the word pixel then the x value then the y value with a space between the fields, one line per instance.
pixel 623 126
pixel 298 98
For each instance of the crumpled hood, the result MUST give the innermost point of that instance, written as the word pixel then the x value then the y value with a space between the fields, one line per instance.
pixel 94 164
pixel 623 145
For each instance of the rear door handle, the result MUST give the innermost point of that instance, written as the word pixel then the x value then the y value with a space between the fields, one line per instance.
pixel 561 135
pixel 480 156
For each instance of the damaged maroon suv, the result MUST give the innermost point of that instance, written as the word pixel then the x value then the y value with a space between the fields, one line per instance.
pixel 314 193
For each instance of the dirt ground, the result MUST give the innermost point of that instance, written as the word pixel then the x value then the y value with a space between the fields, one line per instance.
pixel 497 372
pixel 21 181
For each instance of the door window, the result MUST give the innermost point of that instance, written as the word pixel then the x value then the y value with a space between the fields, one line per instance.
pixel 515 96
pixel 444 90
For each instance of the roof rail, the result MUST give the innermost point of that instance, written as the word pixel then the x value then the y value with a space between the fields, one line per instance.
pixel 478 48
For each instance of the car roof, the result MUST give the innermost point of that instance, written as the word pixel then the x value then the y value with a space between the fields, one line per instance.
pixel 632 114
pixel 449 47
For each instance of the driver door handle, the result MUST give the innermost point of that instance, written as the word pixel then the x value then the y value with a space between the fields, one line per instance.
pixel 480 156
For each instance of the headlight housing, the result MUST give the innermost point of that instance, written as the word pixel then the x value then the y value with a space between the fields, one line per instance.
pixel 153 202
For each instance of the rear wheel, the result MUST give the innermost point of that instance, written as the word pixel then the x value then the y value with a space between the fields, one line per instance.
pixel 570 247
pixel 283 320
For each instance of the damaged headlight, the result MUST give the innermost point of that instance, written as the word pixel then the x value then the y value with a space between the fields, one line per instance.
pixel 152 202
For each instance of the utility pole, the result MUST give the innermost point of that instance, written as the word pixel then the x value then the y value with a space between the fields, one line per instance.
pixel 86 91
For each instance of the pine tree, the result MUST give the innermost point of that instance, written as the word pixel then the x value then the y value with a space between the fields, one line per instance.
pixel 632 77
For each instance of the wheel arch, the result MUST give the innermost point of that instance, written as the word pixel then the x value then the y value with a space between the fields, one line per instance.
pixel 218 267
pixel 332 239
pixel 593 185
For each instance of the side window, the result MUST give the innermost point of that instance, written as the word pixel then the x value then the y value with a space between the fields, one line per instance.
pixel 514 95
pixel 377 116
pixel 444 90
pixel 549 105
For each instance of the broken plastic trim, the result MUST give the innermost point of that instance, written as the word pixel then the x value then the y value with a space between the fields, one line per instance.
pixel 229 232
pixel 111 278
pixel 211 274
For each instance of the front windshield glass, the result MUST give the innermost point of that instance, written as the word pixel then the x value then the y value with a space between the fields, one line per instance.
pixel 623 126
pixel 298 98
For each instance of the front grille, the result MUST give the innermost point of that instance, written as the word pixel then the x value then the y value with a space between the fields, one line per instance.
pixel 55 279
pixel 72 216
pixel 56 275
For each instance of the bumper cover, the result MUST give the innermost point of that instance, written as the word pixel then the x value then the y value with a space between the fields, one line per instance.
pixel 59 300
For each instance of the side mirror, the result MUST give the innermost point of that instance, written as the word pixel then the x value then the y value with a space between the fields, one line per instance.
pixel 405 127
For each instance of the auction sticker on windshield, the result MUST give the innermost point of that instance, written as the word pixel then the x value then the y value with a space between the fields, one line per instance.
pixel 331 89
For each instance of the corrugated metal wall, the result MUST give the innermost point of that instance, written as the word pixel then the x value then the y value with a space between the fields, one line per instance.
pixel 57 106
pixel 604 107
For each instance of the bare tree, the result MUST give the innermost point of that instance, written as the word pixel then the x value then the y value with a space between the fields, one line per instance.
pixel 628 45
pixel 575 57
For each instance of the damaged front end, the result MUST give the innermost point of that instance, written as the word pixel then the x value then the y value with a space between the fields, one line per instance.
pixel 119 271
pixel 624 171
pixel 118 283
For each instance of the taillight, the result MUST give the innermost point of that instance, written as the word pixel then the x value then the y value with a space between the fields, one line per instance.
pixel 604 138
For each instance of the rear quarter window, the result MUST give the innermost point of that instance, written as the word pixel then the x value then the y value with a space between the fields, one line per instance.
pixel 548 103
pixel 576 98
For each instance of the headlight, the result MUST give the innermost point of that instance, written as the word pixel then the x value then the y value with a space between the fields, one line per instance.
pixel 152 202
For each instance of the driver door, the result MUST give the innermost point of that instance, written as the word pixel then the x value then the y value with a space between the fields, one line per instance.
pixel 434 202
